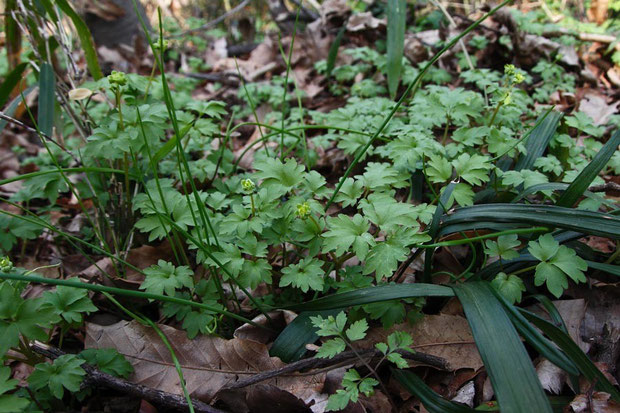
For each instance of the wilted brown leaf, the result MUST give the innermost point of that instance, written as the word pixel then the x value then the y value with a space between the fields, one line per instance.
pixel 209 363
pixel 599 402
pixel 445 336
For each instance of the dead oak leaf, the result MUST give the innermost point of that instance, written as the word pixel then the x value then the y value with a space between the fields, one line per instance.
pixel 209 363
pixel 443 335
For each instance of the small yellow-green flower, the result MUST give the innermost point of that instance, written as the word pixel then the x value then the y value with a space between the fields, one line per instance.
pixel 248 185
pixel 518 78
pixel 509 70
pixel 117 78
pixel 5 264
pixel 157 45
pixel 303 210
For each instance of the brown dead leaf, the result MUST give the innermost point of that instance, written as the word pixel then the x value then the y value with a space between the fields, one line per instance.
pixel 445 336
pixel 551 376
pixel 595 105
pixel 599 402
pixel 364 21
pixel 209 363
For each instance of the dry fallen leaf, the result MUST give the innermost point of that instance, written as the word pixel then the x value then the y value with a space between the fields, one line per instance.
pixel 599 403
pixel 445 336
pixel 209 363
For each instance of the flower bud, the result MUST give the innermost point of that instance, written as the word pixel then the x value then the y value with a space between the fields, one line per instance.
pixel 5 264
pixel 302 211
pixel 117 78
pixel 248 185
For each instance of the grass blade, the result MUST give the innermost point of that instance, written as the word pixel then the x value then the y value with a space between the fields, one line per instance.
pixel 333 52
pixel 86 39
pixel 538 141
pixel 533 336
pixel 47 86
pixel 290 345
pixel 396 25
pixel 432 401
pixel 481 216
pixel 373 295
pixel 566 343
pixel 576 189
pixel 509 366
pixel 10 82
pixel 13 34
pixel 434 228
pixel 608 268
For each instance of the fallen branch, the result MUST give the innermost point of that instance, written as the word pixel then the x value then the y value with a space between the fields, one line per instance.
pixel 316 363
pixel 96 378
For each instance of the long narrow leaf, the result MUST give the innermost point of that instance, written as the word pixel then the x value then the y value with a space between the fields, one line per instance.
pixel 566 343
pixel 47 86
pixel 290 345
pixel 432 401
pixel 373 295
pixel 333 51
pixel 608 268
pixel 509 366
pixel 396 24
pixel 538 141
pixel 10 82
pixel 536 340
pixel 434 229
pixel 13 34
pixel 86 39
pixel 586 222
pixel 576 189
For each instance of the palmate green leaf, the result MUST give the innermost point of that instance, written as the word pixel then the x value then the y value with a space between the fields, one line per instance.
pixel 357 330
pixel 473 168
pixel 275 173
pixel 384 257
pixel 340 400
pixel 166 278
pixel 504 247
pixel 585 124
pixel 511 287
pixel 10 403
pixel 330 348
pixel 305 275
pixel 69 303
pixel 508 364
pixel 388 214
pixel 557 262
pixel 350 192
pixel 108 360
pixel 382 176
pixel 254 273
pixel 346 232
pixel 438 169
pixel 64 373
pixel 21 317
